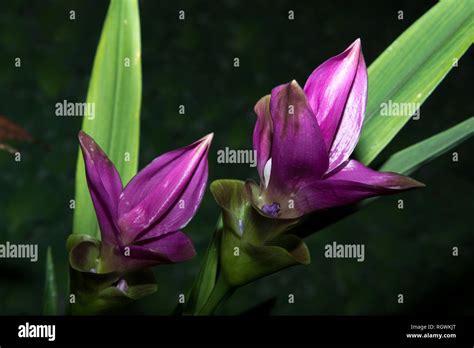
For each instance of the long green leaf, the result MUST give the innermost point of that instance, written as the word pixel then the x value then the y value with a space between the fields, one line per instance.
pixel 206 280
pixel 50 305
pixel 413 157
pixel 411 68
pixel 115 89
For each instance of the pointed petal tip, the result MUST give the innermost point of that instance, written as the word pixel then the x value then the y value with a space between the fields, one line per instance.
pixel 82 135
pixel 295 85
pixel 292 84
pixel 355 48
pixel 261 102
pixel 192 251
pixel 89 145
pixel 353 51
pixel 415 183
pixel 357 44
pixel 402 183
pixel 85 140
pixel 207 139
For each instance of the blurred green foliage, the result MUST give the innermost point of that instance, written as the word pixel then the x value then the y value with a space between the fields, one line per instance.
pixel 190 62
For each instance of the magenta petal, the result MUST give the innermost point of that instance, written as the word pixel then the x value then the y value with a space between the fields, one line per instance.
pixel 351 184
pixel 182 212
pixel 350 127
pixel 349 130
pixel 167 192
pixel 104 184
pixel 356 171
pixel 328 89
pixel 169 248
pixel 298 150
pixel 262 133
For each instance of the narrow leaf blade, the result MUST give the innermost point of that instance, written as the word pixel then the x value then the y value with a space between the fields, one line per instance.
pixel 207 276
pixel 415 156
pixel 115 90
pixel 50 305
pixel 410 69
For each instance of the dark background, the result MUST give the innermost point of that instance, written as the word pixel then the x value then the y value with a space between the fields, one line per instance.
pixel 407 251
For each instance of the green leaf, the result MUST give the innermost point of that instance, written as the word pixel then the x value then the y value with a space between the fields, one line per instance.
pixel 410 69
pixel 413 157
pixel 50 306
pixel 207 277
pixel 115 89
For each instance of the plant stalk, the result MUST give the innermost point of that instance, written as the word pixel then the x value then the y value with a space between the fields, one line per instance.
pixel 219 294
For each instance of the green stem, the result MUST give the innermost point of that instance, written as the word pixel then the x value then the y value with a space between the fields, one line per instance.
pixel 222 290
pixel 206 279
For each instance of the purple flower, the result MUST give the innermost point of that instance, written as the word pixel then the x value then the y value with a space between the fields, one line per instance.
pixel 141 224
pixel 304 137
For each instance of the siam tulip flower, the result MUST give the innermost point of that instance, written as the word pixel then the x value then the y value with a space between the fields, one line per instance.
pixel 141 224
pixel 305 136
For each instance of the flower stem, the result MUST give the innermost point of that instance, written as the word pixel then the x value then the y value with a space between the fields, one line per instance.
pixel 222 290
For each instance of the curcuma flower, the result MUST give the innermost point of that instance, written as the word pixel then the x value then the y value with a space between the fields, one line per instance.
pixel 141 224
pixel 304 138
